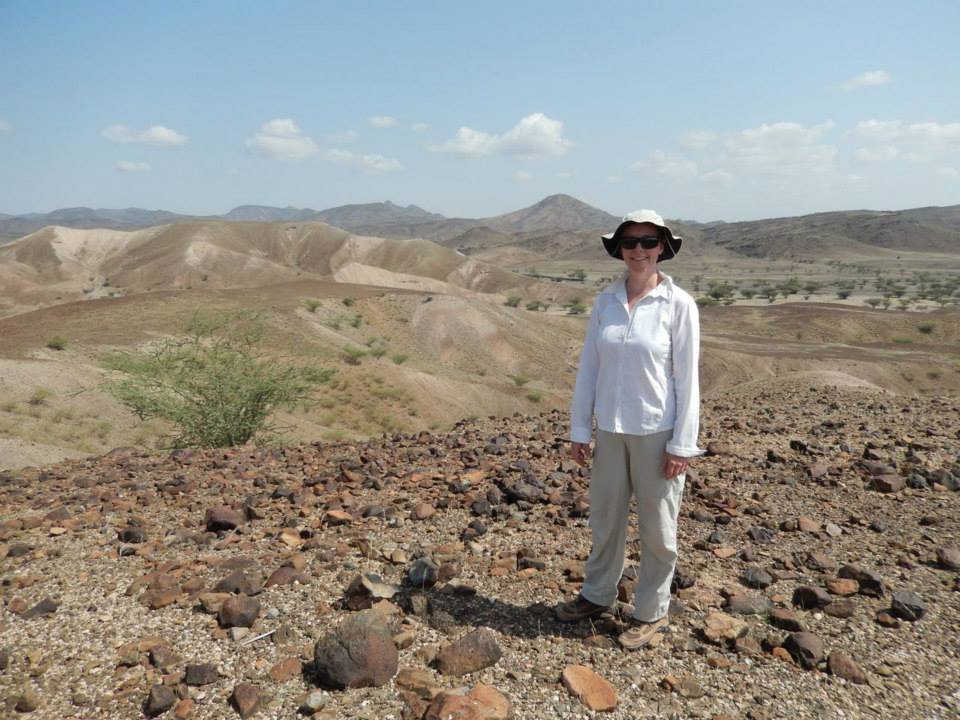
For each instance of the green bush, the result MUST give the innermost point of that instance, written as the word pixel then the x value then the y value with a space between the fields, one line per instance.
pixel 311 305
pixel 400 358
pixel 352 355
pixel 925 327
pixel 534 396
pixel 519 380
pixel 576 307
pixel 213 383
pixel 40 396
pixel 348 301
pixel 57 343
pixel 512 301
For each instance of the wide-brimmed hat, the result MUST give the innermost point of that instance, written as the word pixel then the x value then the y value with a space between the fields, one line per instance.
pixel 671 242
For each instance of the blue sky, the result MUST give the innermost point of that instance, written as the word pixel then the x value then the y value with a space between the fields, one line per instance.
pixel 701 110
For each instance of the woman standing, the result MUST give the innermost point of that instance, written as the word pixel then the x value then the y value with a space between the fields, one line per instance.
pixel 638 376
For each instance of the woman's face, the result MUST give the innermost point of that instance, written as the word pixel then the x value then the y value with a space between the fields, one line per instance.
pixel 638 259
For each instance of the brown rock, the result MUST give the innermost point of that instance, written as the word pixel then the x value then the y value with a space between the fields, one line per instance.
pixel 366 589
pixel 156 599
pixel 183 709
pixel 948 558
pixel 222 518
pixel 805 648
pixel 238 611
pixel 807 525
pixel 785 620
pixel 284 576
pixel 840 609
pixel 843 586
pixel 160 700
pixel 338 517
pixel 482 703
pixel 423 511
pixel 844 666
pixel 474 651
pixel 888 483
pixel 809 597
pixel 359 653
pixel 718 626
pixel 589 688
pixel 421 682
pixel 286 669
pixel 27 701
pixel 246 699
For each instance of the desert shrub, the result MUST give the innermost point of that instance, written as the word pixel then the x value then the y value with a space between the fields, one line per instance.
pixel 901 340
pixel 925 327
pixel 933 374
pixel 352 355
pixel 57 343
pixel 39 396
pixel 377 352
pixel 747 293
pixel 534 305
pixel 706 301
pixel 577 275
pixel 348 301
pixel 512 301
pixel 213 383
pixel 519 380
pixel 843 294
pixel 356 320
pixel 400 358
pixel 874 302
pixel 576 307
pixel 534 396
pixel 311 304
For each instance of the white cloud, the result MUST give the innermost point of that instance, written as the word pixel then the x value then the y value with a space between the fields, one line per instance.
pixel 878 154
pixel 5 127
pixel 522 175
pixel 916 142
pixel 343 138
pixel 881 130
pixel 948 172
pixel 718 177
pixel 371 163
pixel 536 135
pixel 381 121
pixel 420 126
pixel 614 179
pixel 281 139
pixel 669 165
pixel 873 78
pixel 698 139
pixel 783 148
pixel 153 135
pixel 134 167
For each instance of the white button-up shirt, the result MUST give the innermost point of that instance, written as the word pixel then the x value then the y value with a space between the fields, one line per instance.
pixel 638 369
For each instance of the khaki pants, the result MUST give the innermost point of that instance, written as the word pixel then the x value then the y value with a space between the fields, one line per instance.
pixel 625 467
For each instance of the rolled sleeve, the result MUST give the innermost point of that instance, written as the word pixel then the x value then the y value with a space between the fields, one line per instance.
pixel 686 378
pixel 585 390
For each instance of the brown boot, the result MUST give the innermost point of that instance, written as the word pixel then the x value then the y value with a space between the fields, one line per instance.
pixel 578 609
pixel 641 633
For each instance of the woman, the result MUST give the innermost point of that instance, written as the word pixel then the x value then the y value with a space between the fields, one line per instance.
pixel 638 375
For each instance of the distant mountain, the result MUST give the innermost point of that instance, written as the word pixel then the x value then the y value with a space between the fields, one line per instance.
pixel 349 217
pixel 265 213
pixel 557 212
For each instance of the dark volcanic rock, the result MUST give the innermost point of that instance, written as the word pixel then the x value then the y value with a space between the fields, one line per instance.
pixel 133 535
pixel 160 700
pixel 238 611
pixel 246 699
pixel 474 651
pixel 45 607
pixel 809 597
pixel 201 674
pixel 423 573
pixel 222 518
pixel 908 606
pixel 870 582
pixel 757 577
pixel 366 589
pixel 359 653
pixel 241 582
pixel 806 648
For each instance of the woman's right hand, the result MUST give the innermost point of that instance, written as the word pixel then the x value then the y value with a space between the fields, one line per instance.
pixel 580 452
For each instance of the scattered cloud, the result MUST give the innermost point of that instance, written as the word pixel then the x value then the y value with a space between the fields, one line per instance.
pixel 698 139
pixel 153 135
pixel 914 142
pixel 614 179
pixel 420 126
pixel 668 165
pixel 718 177
pixel 133 167
pixel 5 127
pixel 281 139
pixel 343 138
pixel 522 175
pixel 381 121
pixel 873 78
pixel 536 135
pixel 878 154
pixel 371 163
pixel 782 148
pixel 948 172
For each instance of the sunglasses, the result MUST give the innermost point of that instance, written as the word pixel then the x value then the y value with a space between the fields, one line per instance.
pixel 647 242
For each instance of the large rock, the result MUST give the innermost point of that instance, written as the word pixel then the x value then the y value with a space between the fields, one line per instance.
pixel 844 666
pixel 482 703
pixel 423 573
pixel 589 688
pixel 246 699
pixel 365 590
pixel 222 518
pixel 870 582
pixel 718 627
pixel 359 653
pixel 474 651
pixel 809 597
pixel 238 611
pixel 908 606
pixel 805 648
pixel 160 700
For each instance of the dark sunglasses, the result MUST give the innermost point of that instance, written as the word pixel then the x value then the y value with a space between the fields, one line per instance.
pixel 647 242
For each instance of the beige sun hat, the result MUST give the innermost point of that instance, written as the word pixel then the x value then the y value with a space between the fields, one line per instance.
pixel 672 243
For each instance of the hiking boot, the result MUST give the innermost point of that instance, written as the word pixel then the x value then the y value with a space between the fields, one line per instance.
pixel 641 633
pixel 578 609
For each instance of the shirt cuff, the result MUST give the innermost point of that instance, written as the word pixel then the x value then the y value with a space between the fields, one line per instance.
pixel 684 451
pixel 581 434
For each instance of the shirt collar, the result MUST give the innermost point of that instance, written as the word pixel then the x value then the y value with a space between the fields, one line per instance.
pixel 619 288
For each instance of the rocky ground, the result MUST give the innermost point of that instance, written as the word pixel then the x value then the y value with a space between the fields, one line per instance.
pixel 818 577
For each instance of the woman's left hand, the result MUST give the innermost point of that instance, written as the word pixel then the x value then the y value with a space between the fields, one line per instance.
pixel 673 465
